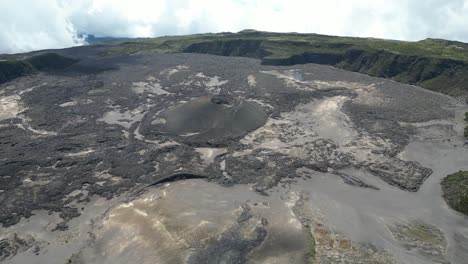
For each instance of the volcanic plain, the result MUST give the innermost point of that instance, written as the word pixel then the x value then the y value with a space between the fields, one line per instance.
pixel 193 158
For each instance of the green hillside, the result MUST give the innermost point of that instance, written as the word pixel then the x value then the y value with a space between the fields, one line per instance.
pixel 435 64
pixel 13 67
pixel 455 191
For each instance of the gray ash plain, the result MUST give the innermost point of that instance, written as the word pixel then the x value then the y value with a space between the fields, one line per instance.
pixel 168 158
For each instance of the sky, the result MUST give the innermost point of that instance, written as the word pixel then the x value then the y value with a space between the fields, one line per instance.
pixel 27 25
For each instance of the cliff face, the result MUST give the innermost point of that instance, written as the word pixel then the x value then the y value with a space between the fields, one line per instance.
pixel 306 57
pixel 442 75
pixel 239 47
pixel 437 65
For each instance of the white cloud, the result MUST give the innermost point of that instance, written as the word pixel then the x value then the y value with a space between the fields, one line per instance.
pixel 29 25
pixel 38 24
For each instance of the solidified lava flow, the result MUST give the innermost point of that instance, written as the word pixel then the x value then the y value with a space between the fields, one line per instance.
pixel 210 120
pixel 189 158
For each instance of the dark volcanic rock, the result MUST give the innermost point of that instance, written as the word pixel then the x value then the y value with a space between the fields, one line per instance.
pixel 234 245
pixel 208 120
pixel 108 146
pixel 105 126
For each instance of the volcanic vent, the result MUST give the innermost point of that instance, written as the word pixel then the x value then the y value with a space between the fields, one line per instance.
pixel 208 120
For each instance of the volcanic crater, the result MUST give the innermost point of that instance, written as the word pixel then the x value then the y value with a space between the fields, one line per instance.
pixel 211 120
pixel 191 158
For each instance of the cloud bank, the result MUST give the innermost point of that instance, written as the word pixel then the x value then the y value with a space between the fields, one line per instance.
pixel 40 24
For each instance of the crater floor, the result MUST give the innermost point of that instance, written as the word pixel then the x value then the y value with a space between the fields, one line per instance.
pixel 185 158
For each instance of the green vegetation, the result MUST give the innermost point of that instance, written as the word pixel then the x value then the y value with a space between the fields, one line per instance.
pixel 465 133
pixel 435 64
pixel 455 191
pixel 282 45
pixel 311 250
pixel 12 68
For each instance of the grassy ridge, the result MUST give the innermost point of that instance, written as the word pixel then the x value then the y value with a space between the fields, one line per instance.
pixel 435 64
pixel 466 128
pixel 13 68
pixel 439 65
pixel 283 45
pixel 50 61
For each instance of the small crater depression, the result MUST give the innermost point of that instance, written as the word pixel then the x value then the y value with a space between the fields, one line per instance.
pixel 207 120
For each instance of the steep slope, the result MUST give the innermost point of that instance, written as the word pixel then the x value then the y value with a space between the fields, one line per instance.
pixel 438 65
pixel 12 67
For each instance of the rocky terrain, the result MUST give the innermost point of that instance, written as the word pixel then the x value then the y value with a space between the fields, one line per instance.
pixel 435 64
pixel 191 158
